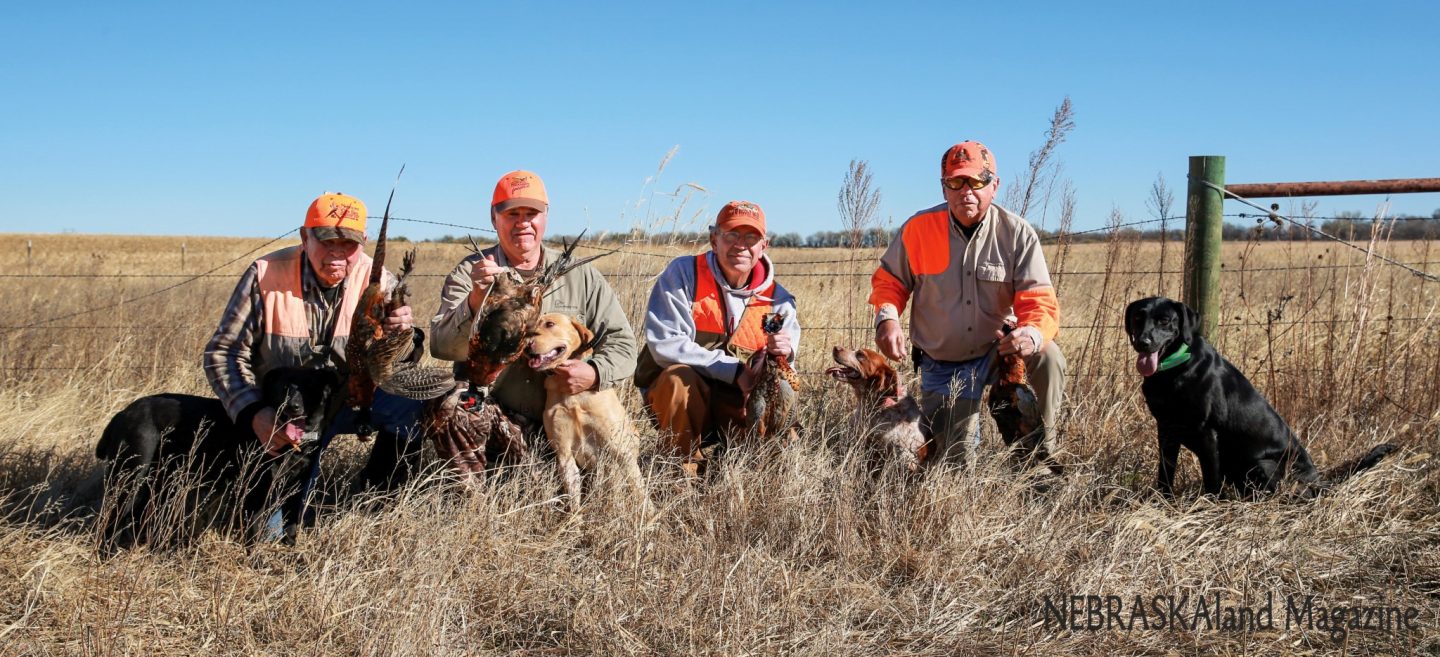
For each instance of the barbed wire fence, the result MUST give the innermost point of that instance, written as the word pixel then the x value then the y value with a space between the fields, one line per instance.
pixel 1120 230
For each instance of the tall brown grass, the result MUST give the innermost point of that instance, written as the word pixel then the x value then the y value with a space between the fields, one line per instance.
pixel 800 553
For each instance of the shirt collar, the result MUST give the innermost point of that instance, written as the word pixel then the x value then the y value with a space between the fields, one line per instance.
pixel 765 264
pixel 308 279
pixel 992 215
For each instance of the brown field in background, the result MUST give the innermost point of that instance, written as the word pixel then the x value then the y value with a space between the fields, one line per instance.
pixel 800 554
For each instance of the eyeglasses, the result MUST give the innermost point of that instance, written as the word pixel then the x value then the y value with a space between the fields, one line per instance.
pixel 747 239
pixel 961 182
pixel 341 246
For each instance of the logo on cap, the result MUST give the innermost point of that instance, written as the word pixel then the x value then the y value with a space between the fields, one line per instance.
pixel 341 212
pixel 961 160
pixel 519 188
pixel 741 213
pixel 336 215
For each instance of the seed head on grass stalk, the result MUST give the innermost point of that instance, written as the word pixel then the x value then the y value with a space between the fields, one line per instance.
pixel 1161 202
pixel 857 202
pixel 1042 166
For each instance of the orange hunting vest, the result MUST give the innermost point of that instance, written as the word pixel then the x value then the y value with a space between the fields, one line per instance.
pixel 285 339
pixel 711 329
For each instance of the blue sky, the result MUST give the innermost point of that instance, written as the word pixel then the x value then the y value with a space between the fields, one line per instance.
pixel 228 118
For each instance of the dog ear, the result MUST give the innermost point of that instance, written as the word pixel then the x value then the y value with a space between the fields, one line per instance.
pixel 889 382
pixel 1190 323
pixel 587 339
pixel 325 381
pixel 1130 314
pixel 270 383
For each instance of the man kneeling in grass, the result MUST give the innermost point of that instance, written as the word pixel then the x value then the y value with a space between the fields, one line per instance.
pixel 703 324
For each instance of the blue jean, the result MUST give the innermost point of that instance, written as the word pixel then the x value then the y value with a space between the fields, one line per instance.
pixel 963 380
pixel 950 393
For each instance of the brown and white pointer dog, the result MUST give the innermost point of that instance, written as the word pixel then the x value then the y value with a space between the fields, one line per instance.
pixel 890 417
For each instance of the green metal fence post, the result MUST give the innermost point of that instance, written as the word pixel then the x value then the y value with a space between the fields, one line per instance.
pixel 1204 218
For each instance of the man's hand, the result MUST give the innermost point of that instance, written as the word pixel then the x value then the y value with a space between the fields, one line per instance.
pixel 398 320
pixel 272 436
pixel 575 376
pixel 482 275
pixel 1018 342
pixel 749 372
pixel 890 340
pixel 778 345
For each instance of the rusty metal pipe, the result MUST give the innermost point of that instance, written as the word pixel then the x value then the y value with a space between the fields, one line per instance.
pixel 1336 188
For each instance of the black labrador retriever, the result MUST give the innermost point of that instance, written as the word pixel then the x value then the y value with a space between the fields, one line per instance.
pixel 177 463
pixel 1201 401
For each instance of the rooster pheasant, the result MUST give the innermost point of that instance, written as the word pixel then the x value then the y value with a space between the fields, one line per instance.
pixel 468 431
pixel 1015 408
pixel 373 353
pixel 771 408
pixel 507 313
pixel 467 425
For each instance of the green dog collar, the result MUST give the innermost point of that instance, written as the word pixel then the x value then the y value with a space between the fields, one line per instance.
pixel 1180 356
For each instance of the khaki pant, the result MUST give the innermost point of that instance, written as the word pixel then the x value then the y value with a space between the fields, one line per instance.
pixel 953 423
pixel 690 409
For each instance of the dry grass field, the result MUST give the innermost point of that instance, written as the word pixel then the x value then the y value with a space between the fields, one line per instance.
pixel 804 553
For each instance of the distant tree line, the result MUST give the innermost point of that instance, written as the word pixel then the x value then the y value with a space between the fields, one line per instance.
pixel 1346 225
pixel 1351 226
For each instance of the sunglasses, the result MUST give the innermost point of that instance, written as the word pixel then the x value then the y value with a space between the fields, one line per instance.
pixel 961 182
pixel 747 239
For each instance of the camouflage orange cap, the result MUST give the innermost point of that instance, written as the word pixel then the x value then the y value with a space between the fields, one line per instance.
pixel 336 216
pixel 970 159
pixel 520 188
pixel 737 214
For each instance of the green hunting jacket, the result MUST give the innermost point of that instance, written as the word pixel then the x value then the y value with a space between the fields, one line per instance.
pixel 582 293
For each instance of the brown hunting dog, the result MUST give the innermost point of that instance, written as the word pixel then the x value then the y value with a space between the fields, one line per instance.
pixel 892 417
pixel 587 428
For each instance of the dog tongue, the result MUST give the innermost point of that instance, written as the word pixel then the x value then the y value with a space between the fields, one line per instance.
pixel 294 431
pixel 1146 364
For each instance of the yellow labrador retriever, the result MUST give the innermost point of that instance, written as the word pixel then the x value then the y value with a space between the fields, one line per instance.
pixel 586 428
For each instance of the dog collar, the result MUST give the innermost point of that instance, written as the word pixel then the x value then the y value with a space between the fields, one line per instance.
pixel 1180 356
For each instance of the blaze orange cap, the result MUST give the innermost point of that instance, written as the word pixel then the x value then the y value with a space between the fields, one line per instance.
pixel 520 188
pixel 737 214
pixel 336 216
pixel 970 159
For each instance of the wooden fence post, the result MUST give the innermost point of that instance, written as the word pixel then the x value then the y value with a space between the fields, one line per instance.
pixel 1204 219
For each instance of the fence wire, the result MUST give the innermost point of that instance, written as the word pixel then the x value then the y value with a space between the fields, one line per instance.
pixel 786 274
pixel 185 279
pixel 1247 215
pixel 803 327
pixel 1423 275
